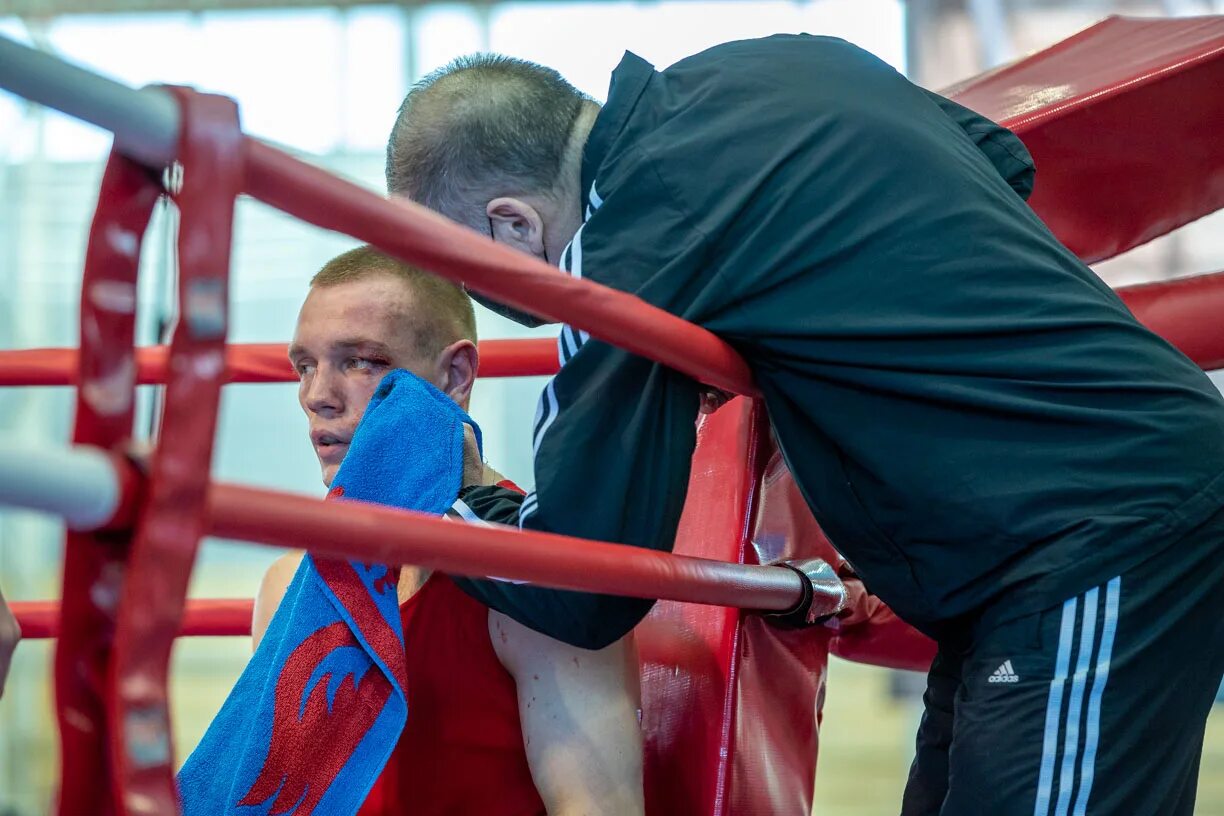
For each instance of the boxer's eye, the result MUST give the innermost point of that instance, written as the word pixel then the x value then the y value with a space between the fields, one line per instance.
pixel 365 363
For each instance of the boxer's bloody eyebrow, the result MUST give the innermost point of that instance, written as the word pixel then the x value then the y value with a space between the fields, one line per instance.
pixel 363 345
pixel 355 344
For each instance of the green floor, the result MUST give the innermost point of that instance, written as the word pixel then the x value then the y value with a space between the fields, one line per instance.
pixel 866 744
pixel 865 747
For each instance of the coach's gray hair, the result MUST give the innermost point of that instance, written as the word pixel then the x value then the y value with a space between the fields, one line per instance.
pixel 481 127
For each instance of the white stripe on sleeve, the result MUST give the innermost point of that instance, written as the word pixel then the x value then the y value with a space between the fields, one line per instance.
pixel 549 399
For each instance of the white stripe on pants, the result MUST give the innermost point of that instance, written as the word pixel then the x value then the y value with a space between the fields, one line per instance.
pixel 1088 679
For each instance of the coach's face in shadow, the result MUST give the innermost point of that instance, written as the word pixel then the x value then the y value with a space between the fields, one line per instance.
pixel 348 336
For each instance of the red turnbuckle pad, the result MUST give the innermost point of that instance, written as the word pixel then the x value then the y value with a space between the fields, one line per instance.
pixel 174 513
pixel 94 561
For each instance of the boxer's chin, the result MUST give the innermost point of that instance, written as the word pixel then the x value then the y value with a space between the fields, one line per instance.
pixel 329 472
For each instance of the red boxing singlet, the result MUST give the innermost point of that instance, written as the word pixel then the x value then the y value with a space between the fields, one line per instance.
pixel 461 751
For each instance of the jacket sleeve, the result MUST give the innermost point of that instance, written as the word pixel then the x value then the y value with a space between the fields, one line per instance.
pixel 1004 148
pixel 614 433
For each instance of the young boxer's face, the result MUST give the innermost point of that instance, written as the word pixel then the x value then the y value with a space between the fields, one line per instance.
pixel 348 336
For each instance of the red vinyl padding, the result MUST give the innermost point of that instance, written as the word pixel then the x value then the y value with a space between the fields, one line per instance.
pixel 730 701
pixel 1126 123
pixel 690 654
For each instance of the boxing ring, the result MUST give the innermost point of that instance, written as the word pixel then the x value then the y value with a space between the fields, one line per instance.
pixel 729 699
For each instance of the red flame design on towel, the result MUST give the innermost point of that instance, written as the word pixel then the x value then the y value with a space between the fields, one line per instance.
pixel 307 752
pixel 310 744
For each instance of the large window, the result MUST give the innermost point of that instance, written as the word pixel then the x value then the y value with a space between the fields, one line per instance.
pixel 325 80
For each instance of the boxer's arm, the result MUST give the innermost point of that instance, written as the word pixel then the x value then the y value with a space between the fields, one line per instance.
pixel 271 590
pixel 614 445
pixel 579 712
pixel 10 634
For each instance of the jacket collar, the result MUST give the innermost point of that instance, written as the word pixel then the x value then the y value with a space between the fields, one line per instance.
pixel 628 81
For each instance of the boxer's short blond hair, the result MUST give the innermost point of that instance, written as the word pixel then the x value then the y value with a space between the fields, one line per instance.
pixel 447 314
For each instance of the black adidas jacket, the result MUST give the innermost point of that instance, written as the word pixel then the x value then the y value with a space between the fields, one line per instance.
pixel 970 412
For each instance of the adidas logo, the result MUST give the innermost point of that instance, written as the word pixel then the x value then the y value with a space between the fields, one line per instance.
pixel 1004 674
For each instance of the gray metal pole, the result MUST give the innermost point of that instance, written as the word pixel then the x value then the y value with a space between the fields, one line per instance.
pixel 145 122
pixel 78 483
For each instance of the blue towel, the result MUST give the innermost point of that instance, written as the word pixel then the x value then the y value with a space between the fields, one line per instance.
pixel 315 715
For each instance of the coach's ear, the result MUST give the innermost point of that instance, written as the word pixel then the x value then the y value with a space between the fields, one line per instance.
pixel 516 223
pixel 456 369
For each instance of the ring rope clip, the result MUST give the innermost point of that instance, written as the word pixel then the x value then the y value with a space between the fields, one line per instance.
pixel 824 595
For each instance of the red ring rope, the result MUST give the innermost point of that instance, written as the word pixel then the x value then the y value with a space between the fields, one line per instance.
pixel 420 236
pixel 385 535
pixel 1182 311
pixel 203 617
pixel 1186 312
pixel 258 363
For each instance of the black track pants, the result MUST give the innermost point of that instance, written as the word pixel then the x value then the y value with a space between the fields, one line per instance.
pixel 1094 707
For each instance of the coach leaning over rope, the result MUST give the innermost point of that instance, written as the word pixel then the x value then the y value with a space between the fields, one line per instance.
pixel 1008 458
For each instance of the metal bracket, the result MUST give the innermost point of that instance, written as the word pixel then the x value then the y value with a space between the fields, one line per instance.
pixel 824 595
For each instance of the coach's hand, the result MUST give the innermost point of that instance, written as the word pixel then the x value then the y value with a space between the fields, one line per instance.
pixel 713 398
pixel 861 605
